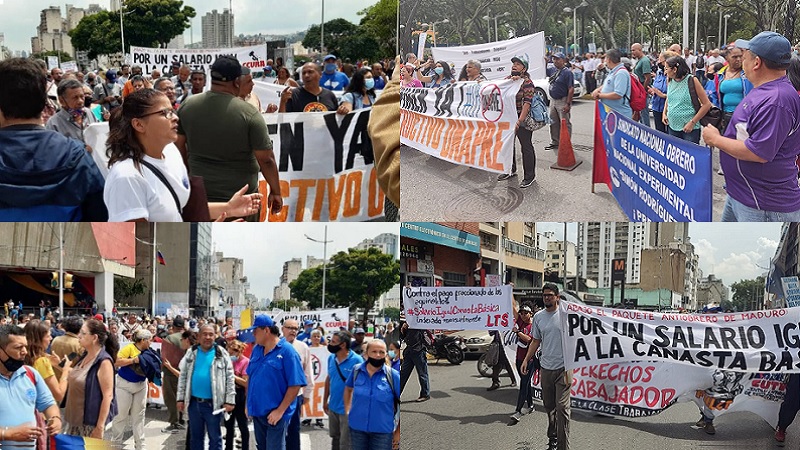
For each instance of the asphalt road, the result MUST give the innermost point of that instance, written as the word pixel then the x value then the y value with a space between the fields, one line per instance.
pixel 435 190
pixel 463 415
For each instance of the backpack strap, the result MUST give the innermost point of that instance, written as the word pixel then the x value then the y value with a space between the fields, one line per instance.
pixel 163 179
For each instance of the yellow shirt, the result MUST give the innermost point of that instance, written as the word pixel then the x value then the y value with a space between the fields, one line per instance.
pixel 43 366
pixel 129 351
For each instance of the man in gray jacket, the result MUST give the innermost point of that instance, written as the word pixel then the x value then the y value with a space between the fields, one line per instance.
pixel 206 384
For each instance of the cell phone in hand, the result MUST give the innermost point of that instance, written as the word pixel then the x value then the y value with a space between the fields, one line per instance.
pixel 70 357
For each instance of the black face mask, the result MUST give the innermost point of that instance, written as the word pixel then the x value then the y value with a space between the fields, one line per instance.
pixel 376 362
pixel 516 74
pixel 87 102
pixel 661 66
pixel 11 364
pixel 334 348
pixel 710 76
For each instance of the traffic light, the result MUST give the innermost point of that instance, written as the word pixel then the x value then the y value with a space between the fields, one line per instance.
pixel 67 281
pixel 54 280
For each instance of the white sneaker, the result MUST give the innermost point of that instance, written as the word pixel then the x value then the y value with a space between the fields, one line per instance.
pixel 516 416
pixel 525 411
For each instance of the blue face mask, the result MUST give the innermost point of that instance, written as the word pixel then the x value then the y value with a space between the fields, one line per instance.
pixel 234 358
pixel 438 70
pixel 369 83
pixel 392 354
pixel 330 68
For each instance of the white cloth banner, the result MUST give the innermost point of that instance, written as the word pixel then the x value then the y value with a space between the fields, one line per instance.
pixel 325 164
pixel 254 57
pixel 330 319
pixel 458 308
pixel 269 92
pixel 750 341
pixel 319 363
pixel 495 57
pixel 645 388
pixel 69 66
pixel 466 123
pixel 421 45
pixel 791 291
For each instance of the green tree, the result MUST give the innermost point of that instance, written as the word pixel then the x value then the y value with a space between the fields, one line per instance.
pixel 358 277
pixel 392 313
pixel 380 23
pixel 125 288
pixel 335 31
pixel 97 34
pixel 308 287
pixel 359 46
pixel 748 294
pixel 61 56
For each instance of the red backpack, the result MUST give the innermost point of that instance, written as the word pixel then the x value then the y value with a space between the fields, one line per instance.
pixel 638 98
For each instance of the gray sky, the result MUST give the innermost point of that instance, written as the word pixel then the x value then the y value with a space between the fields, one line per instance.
pixel 731 251
pixel 265 247
pixel 19 18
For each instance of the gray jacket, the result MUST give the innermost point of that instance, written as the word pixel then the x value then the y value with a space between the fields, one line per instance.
pixel 222 384
pixel 63 123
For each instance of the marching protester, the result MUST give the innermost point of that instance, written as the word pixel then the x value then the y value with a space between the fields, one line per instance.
pixel 759 148
pixel 394 355
pixel 644 72
pixel 414 358
pixel 180 79
pixel 290 329
pixel 68 344
pixel 197 81
pixel 502 363
pixel 206 385
pixel 311 97
pixel 165 86
pixel 246 91
pixel 562 89
pixel 523 329
pixel 44 176
pixel 731 84
pixel 331 78
pixel 360 93
pixel 381 80
pixel 789 407
pixel 239 414
pixel 91 404
pixel 131 388
pixel 441 75
pixel 616 90
pixel 275 379
pixel 524 98
pixel 340 365
pixel 131 84
pixel 371 400
pixel 38 338
pixel 407 76
pixel 658 91
pixel 109 92
pixel 24 394
pixel 285 78
pixel 147 179
pixel 186 339
pixel 473 71
pixel 74 116
pixel 679 115
pixel 554 379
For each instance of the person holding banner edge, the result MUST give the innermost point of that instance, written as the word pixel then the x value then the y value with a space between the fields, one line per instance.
pixel 524 98
pixel 789 408
pixel 555 379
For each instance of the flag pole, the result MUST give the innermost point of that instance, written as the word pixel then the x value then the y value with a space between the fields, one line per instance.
pixel 155 252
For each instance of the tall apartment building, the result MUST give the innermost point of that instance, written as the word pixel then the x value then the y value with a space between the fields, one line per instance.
pixel 217 29
pixel 51 33
pixel 385 242
pixel 555 260
pixel 509 249
pixel 200 260
pixel 291 270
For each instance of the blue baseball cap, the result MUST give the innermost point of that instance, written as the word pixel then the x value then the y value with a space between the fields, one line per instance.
pixel 308 322
pixel 768 45
pixel 333 57
pixel 262 320
pixel 559 55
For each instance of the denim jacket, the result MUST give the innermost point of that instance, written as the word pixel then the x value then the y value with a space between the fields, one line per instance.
pixel 222 384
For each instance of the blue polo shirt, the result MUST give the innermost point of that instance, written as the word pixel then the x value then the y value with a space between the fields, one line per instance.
pixel 336 399
pixel 270 376
pixel 336 81
pixel 18 398
pixel 372 407
pixel 201 376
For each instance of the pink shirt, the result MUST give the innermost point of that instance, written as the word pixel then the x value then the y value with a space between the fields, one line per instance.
pixel 413 83
pixel 240 366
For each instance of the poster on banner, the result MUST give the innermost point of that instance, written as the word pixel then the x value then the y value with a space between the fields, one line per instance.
pixel 791 291
pixel 465 123
pixel 458 308
pixel 492 280
pixel 319 364
pixel 52 62
pixel 421 44
pixel 765 341
pixel 325 164
pixel 237 312
pixel 653 176
pixel 155 395
pixel 495 57
pixel 645 388
pixel 254 57
pixel 330 319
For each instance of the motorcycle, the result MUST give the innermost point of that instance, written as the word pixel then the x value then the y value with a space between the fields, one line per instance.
pixel 447 347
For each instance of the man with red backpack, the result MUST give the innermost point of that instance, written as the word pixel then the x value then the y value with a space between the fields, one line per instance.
pixel 644 75
pixel 616 90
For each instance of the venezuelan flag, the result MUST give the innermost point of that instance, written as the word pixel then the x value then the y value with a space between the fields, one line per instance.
pixel 160 258
pixel 69 442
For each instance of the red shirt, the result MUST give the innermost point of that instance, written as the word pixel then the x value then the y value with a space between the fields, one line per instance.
pixel 522 348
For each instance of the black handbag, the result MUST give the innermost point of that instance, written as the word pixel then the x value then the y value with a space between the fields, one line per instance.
pixel 196 209
pixel 714 115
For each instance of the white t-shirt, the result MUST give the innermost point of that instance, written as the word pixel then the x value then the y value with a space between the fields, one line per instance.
pixel 711 60
pixel 130 194
pixel 690 60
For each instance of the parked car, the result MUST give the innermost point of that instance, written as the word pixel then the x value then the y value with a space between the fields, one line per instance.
pixel 542 86
pixel 477 341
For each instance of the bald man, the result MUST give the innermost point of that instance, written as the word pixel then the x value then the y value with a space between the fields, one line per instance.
pixel 675 48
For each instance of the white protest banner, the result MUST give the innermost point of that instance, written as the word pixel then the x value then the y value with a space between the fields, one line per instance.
pixel 269 92
pixel 751 341
pixel 466 123
pixel 319 364
pixel 791 290
pixel 149 59
pixel 325 165
pixel 52 62
pixel 458 308
pixel 69 66
pixel 421 44
pixel 155 395
pixel 330 319
pixel 495 57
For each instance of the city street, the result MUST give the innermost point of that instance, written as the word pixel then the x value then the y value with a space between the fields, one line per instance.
pixel 433 189
pixel 462 414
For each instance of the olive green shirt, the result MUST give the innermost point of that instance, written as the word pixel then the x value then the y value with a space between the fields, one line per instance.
pixel 222 131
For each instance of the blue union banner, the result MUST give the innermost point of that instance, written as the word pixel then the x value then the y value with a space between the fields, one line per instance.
pixel 653 176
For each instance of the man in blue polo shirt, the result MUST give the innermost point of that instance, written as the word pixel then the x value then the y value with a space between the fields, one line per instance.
pixel 22 392
pixel 340 366
pixel 332 79
pixel 275 378
pixel 305 336
pixel 561 90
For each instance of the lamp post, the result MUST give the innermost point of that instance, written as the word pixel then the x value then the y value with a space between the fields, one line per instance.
pixel 566 44
pixel 324 243
pixel 574 12
pixel 495 24
pixel 399 28
pixel 488 26
pixel 121 29
pixel 434 29
pixel 322 30
pixel 725 36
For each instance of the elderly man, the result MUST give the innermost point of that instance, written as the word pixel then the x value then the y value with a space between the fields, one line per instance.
pixel 165 85
pixel 275 379
pixel 73 117
pixel 290 329
pixel 52 87
pixel 181 80
pixel 562 89
pixel 206 383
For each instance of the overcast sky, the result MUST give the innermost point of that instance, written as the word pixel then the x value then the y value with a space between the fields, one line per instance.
pixel 265 247
pixel 19 18
pixel 731 251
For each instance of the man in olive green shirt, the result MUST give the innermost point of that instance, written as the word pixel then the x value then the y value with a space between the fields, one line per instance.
pixel 224 139
pixel 644 72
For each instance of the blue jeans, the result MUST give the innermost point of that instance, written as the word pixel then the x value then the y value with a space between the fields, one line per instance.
pixel 293 429
pixel 201 420
pixel 736 211
pixel 413 359
pixel 694 136
pixel 644 119
pixel 272 437
pixel 360 440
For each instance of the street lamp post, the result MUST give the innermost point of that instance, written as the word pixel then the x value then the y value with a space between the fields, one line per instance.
pixel 322 30
pixel 324 243
pixel 495 24
pixel 434 29
pixel 488 26
pixel 566 44
pixel 121 29
pixel 574 12
pixel 725 36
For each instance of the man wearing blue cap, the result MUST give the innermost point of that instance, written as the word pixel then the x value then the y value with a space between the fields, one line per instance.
pixel 332 79
pixel 275 378
pixel 762 141
pixel 562 88
pixel 305 336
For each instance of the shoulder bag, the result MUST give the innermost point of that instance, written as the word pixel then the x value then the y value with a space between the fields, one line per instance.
pixel 196 209
pixel 713 116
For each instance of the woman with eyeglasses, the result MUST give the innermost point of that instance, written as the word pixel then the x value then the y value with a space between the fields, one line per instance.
pixel 147 179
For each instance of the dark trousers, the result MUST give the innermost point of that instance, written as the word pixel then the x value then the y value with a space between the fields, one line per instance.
pixel 694 136
pixel 202 421
pixel 415 359
pixel 238 415
pixel 170 386
pixel 791 402
pixel 525 138
pixel 293 429
pixel 658 117
pixel 525 391
pixel 591 82
pixel 502 363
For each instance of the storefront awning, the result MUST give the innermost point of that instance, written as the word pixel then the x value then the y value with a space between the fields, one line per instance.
pixel 442 235
pixel 32 284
